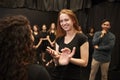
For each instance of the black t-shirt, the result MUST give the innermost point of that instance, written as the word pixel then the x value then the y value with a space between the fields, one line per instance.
pixel 52 36
pixel 37 72
pixel 70 71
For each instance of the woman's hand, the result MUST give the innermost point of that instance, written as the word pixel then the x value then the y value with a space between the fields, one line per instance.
pixel 66 55
pixel 53 53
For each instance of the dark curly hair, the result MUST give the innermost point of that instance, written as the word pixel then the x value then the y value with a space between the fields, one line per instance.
pixel 16 47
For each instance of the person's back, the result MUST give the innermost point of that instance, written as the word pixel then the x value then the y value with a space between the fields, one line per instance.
pixel 37 72
pixel 16 50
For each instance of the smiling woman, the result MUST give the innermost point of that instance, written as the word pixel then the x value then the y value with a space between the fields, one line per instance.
pixel 71 48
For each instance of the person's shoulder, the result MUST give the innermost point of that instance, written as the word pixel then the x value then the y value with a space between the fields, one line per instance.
pixel 112 34
pixel 35 66
pixel 36 72
pixel 60 38
pixel 81 35
pixel 97 32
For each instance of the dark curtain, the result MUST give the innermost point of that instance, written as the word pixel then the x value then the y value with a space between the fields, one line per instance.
pixel 12 3
pixel 80 4
pixel 47 5
pixel 82 19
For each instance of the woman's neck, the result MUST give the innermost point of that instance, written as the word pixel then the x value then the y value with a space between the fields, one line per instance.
pixel 71 32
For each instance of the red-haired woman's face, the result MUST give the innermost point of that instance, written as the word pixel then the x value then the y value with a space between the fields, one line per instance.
pixel 66 22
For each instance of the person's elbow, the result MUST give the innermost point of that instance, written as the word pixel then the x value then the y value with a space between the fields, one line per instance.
pixel 85 64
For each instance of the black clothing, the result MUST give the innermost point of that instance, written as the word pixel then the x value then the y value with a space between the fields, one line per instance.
pixel 70 71
pixel 44 43
pixel 36 41
pixel 52 36
pixel 37 72
pixel 91 49
pixel 38 50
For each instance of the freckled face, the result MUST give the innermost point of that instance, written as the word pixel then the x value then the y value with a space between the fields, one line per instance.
pixel 66 22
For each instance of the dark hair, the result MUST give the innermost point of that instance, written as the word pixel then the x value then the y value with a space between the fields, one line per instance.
pixel 38 29
pixel 105 20
pixel 16 47
pixel 89 29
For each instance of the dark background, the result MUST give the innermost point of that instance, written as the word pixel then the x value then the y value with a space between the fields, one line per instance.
pixel 89 13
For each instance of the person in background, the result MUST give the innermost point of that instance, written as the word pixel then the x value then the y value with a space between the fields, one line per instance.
pixel 71 48
pixel 103 42
pixel 37 43
pixel 52 34
pixel 44 36
pixel 51 39
pixel 16 51
pixel 80 29
pixel 90 35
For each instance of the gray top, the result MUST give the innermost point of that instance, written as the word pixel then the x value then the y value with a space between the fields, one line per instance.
pixel 105 46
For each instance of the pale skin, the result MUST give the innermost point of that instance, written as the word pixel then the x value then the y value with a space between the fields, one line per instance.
pixel 66 54
pixel 62 58
pixel 67 25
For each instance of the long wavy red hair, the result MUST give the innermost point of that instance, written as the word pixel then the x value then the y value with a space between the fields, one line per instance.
pixel 71 14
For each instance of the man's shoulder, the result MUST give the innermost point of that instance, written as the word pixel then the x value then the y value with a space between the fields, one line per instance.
pixel 97 32
pixel 112 34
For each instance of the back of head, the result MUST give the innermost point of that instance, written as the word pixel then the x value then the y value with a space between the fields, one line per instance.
pixel 15 47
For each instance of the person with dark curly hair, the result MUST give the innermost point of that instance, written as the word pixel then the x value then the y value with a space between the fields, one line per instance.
pixel 16 51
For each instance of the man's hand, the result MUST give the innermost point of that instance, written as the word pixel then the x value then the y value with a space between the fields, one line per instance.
pixel 96 46
pixel 103 32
